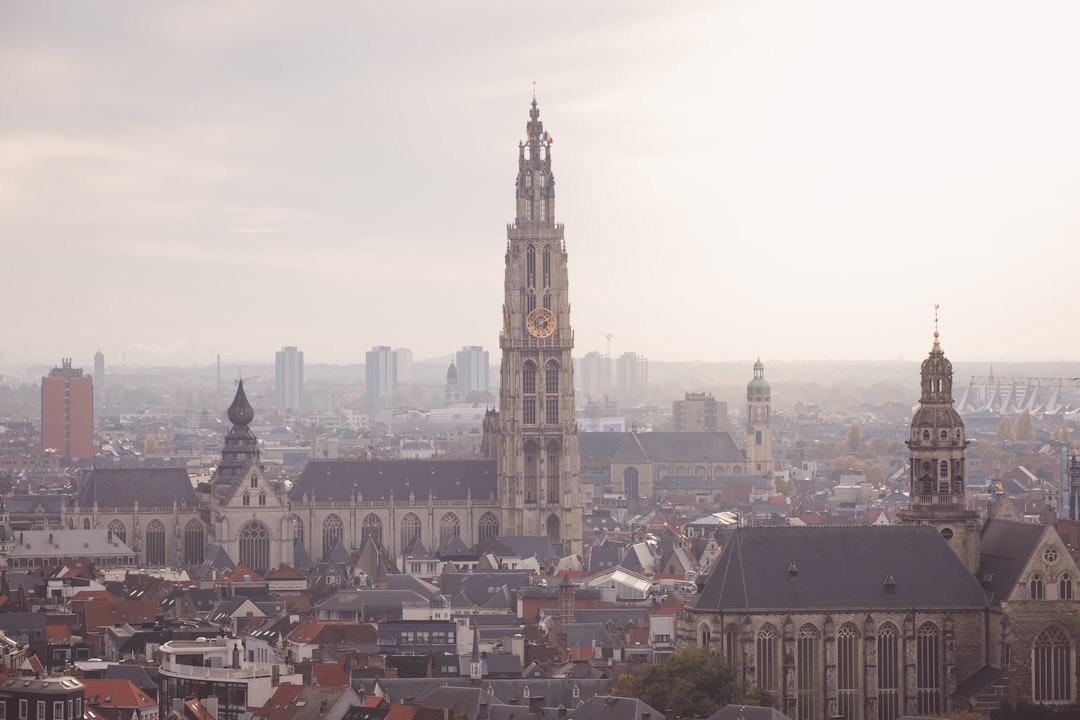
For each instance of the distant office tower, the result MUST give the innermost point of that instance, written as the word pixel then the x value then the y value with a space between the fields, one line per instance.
pixel 473 364
pixel 402 367
pixel 67 412
pixel 631 375
pixel 289 379
pixel 379 376
pixel 99 378
pixel 699 412
pixel 595 376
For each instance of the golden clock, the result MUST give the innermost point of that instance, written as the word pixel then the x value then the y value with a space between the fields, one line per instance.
pixel 540 323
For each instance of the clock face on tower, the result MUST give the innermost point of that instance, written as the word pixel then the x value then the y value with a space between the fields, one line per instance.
pixel 540 323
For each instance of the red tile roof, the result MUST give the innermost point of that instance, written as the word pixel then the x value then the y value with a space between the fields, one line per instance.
pixel 115 693
pixel 401 712
pixel 242 574
pixel 329 675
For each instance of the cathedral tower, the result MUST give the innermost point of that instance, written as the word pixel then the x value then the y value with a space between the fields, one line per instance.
pixel 758 425
pixel 938 474
pixel 535 439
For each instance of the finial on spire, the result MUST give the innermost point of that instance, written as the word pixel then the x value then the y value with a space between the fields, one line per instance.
pixel 534 91
pixel 936 306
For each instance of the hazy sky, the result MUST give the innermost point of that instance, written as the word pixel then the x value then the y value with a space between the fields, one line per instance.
pixel 795 180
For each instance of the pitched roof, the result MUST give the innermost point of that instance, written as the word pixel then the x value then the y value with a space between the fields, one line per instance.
pixel 149 486
pixel 325 480
pixel 1005 549
pixel 831 568
pixel 115 693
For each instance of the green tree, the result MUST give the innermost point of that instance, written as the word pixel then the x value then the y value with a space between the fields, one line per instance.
pixel 1025 426
pixel 691 683
pixel 853 441
pixel 1022 711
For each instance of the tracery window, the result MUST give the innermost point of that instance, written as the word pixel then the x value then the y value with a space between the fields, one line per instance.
pixel 849 703
pixel 449 526
pixel 768 660
pixel 333 530
pixel 1065 587
pixel 888 672
pixel 194 542
pixel 1037 587
pixel 488 526
pixel 1052 677
pixel 928 670
pixel 155 543
pixel 553 455
pixel 255 546
pixel 372 528
pixel 410 529
pixel 808 673
pixel 118 530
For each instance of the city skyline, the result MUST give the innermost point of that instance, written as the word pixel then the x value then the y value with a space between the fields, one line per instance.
pixel 739 179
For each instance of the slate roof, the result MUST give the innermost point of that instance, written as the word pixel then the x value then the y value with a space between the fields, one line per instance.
pixel 603 557
pixel 606 448
pixel 555 691
pixel 1005 549
pixel 522 546
pixel 467 699
pixel 150 486
pixel 217 562
pixel 143 677
pixel 325 480
pixel 599 448
pixel 614 708
pixel 480 587
pixel 747 712
pixel 777 569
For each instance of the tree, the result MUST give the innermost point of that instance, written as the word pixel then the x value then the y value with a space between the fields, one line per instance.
pixel 1061 433
pixel 1006 431
pixel 873 474
pixel 1025 426
pixel 853 441
pixel 1022 710
pixel 691 683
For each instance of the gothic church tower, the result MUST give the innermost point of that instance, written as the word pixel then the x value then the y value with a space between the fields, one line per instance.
pixel 535 439
pixel 938 474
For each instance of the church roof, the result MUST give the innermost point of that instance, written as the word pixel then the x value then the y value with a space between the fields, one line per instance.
pixel 1005 549
pixel 628 447
pixel 150 486
pixel 341 480
pixel 779 569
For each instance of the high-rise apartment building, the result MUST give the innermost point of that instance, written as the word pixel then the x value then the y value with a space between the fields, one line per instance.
pixel 379 376
pixel 699 412
pixel 289 379
pixel 67 412
pixel 595 376
pixel 402 367
pixel 631 376
pixel 473 366
pixel 99 378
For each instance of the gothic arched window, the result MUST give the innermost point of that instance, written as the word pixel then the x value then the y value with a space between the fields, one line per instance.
pixel 194 542
pixel 372 528
pixel 118 530
pixel 1065 587
pixel 155 543
pixel 487 527
pixel 705 634
pixel 928 670
pixel 808 673
pixel 1037 587
pixel 410 530
pixel 551 377
pixel 247 499
pixel 553 455
pixel 553 529
pixel 262 498
pixel 530 259
pixel 298 528
pixel 767 646
pixel 255 546
pixel 848 672
pixel 532 462
pixel 547 265
pixel 1051 666
pixel 449 526
pixel 332 530
pixel 888 672
pixel 630 484
pixel 528 388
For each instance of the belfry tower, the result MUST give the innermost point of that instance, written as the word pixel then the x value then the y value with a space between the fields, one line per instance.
pixel 758 424
pixel 938 474
pixel 534 436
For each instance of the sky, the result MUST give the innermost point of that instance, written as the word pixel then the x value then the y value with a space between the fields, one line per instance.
pixel 737 179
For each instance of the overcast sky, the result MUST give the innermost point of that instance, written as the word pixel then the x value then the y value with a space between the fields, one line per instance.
pixel 790 180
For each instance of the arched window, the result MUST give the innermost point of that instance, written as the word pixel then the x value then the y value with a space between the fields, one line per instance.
pixel 928 670
pixel 449 526
pixel 332 530
pixel 944 468
pixel 888 672
pixel 262 498
pixel 194 542
pixel 705 634
pixel 373 528
pixel 731 644
pixel 847 672
pixel 530 259
pixel 255 546
pixel 532 460
pixel 528 388
pixel 118 530
pixel 767 647
pixel 1051 667
pixel 297 528
pixel 630 484
pixel 553 528
pixel 155 543
pixel 808 673
pixel 1065 587
pixel 86 524
pixel 410 530
pixel 551 377
pixel 254 481
pixel 547 266
pixel 247 499
pixel 553 455
pixel 487 527
pixel 1037 587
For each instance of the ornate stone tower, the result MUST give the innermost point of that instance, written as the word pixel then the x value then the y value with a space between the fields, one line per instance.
pixel 937 442
pixel 758 425
pixel 535 439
